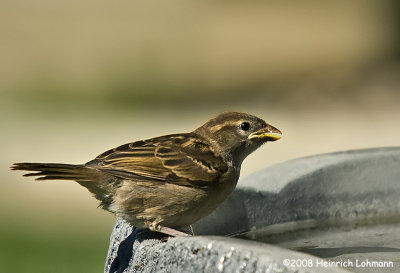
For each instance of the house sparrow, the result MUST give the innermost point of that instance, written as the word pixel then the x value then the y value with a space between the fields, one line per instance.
pixel 167 182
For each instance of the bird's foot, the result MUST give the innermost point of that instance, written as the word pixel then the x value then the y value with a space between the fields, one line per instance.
pixel 165 239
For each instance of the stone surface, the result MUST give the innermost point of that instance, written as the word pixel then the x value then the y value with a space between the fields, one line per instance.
pixel 140 253
pixel 335 206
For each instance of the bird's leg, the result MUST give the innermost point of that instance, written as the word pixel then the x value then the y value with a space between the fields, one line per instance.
pixel 172 232
pixel 166 230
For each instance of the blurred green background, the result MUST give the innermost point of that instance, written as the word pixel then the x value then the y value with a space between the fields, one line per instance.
pixel 78 78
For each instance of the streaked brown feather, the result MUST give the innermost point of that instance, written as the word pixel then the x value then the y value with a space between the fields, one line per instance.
pixel 183 159
pixel 53 171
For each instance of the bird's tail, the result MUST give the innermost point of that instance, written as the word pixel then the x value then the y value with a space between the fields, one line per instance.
pixel 55 171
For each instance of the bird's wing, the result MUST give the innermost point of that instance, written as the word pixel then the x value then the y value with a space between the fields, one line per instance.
pixel 181 159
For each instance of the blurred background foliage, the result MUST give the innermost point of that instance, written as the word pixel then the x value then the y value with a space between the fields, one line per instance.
pixel 77 78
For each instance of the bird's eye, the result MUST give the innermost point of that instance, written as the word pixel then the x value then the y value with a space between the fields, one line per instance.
pixel 244 126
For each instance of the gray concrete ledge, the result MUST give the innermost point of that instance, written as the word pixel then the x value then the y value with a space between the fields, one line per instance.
pixel 203 254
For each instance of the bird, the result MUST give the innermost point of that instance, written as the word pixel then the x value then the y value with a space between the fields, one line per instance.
pixel 168 182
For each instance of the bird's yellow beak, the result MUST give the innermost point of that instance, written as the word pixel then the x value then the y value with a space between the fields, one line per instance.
pixel 269 133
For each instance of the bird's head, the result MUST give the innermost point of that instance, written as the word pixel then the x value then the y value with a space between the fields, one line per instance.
pixel 238 134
